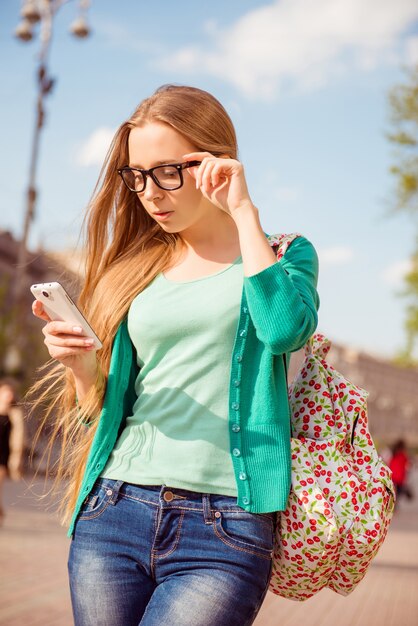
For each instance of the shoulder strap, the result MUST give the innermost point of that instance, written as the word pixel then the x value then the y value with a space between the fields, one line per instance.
pixel 281 242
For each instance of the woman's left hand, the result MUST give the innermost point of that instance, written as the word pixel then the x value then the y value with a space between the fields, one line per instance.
pixel 222 181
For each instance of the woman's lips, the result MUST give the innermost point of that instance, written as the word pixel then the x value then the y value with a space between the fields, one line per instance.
pixel 163 216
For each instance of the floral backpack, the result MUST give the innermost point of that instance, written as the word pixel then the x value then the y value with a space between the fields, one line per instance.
pixel 342 496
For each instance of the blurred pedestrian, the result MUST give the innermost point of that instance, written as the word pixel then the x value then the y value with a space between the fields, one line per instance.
pixel 11 436
pixel 400 465
pixel 177 473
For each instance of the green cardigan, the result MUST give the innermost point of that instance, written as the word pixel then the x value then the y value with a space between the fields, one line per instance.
pixel 278 314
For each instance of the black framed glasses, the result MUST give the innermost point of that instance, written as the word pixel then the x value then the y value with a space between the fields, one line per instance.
pixel 168 177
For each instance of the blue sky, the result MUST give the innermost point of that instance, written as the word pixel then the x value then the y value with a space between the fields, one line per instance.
pixel 305 82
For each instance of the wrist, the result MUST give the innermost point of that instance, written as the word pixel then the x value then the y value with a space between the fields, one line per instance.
pixel 87 378
pixel 244 213
pixel 86 367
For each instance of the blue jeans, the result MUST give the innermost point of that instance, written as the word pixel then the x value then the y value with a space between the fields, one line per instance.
pixel 155 555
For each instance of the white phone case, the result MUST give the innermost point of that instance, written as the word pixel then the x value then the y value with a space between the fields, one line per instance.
pixel 59 306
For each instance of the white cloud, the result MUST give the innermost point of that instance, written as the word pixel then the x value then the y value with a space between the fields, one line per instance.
pixel 337 255
pixel 94 149
pixel 394 274
pixel 298 44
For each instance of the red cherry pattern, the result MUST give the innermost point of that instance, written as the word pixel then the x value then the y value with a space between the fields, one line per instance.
pixel 342 496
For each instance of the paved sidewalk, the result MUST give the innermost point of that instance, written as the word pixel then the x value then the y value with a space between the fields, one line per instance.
pixel 34 585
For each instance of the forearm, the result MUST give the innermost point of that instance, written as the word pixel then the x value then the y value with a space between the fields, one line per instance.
pixel 83 386
pixel 281 296
pixel 85 378
pixel 256 251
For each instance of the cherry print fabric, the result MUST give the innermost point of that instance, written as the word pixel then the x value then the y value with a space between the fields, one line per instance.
pixel 342 495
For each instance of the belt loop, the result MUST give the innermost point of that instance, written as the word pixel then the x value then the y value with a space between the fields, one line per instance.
pixel 116 487
pixel 207 513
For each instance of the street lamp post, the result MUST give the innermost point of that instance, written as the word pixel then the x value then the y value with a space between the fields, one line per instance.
pixel 32 12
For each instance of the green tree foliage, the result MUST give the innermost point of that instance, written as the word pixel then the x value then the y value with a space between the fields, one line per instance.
pixel 403 105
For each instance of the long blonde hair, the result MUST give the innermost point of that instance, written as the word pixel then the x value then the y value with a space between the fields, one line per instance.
pixel 125 249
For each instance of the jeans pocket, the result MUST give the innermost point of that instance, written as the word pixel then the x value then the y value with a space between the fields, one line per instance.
pixel 96 502
pixel 246 532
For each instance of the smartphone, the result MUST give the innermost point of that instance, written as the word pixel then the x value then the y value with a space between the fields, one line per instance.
pixel 59 306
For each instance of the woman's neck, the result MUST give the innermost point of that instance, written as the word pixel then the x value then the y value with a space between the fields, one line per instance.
pixel 210 236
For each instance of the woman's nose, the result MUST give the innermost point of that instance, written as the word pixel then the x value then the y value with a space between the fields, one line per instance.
pixel 152 190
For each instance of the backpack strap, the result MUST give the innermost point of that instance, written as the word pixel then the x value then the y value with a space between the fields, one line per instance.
pixel 318 345
pixel 281 241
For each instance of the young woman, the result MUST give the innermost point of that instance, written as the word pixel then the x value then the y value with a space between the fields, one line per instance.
pixel 175 434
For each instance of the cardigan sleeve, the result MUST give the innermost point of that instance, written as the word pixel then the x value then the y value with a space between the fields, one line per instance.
pixel 283 300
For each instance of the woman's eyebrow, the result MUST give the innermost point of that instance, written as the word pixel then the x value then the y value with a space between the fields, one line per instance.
pixel 156 163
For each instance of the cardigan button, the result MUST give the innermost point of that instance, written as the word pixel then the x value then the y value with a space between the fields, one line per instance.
pixel 245 310
pixel 236 428
pixel 239 358
pixel 243 333
pixel 237 383
pixel 242 476
pixel 246 501
pixel 236 452
pixel 235 406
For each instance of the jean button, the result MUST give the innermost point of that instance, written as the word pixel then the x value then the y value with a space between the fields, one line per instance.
pixel 168 496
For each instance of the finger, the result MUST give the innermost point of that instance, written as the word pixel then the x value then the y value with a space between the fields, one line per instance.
pixel 38 310
pixel 201 170
pixel 61 353
pixel 218 175
pixel 60 327
pixel 207 177
pixel 197 156
pixel 69 341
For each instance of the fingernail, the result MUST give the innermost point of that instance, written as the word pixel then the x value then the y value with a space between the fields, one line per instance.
pixel 77 329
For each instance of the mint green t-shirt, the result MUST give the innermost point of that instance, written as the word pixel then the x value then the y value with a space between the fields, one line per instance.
pixel 178 433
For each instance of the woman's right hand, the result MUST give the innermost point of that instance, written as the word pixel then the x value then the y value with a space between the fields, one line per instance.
pixel 73 349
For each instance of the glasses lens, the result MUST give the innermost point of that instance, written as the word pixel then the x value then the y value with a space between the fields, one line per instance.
pixel 133 179
pixel 168 176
